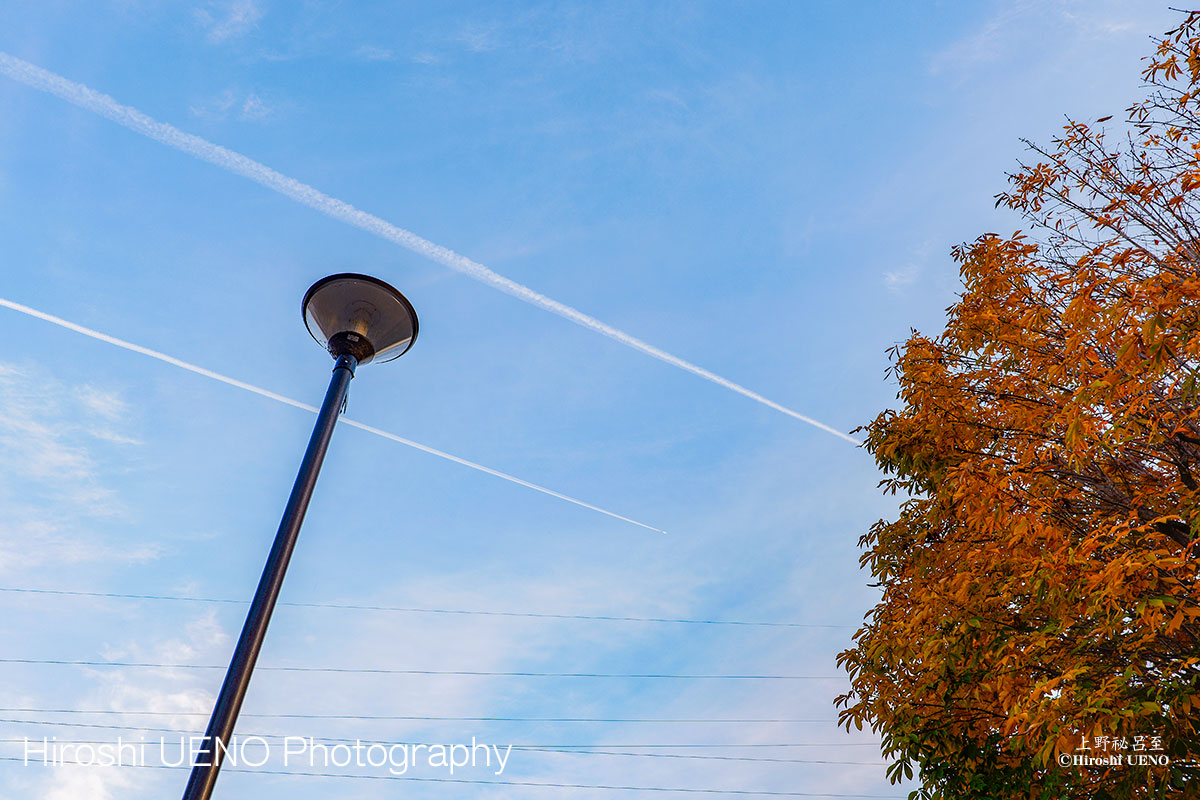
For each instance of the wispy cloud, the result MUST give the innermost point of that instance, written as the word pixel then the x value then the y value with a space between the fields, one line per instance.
pixel 566 30
pixel 53 439
pixel 983 45
pixel 232 21
pixel 375 54
pixel 896 280
pixel 1011 27
pixel 369 52
pixel 104 403
pixel 254 109
pixel 372 53
pixel 479 38
pixel 249 107
pixel 29 539
pixel 174 696
pixel 95 783
pixel 1103 21
pixel 44 427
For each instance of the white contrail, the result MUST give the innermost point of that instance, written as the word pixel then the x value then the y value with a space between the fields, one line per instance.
pixel 208 373
pixel 105 106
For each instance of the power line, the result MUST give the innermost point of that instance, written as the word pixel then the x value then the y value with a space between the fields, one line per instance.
pixel 458 672
pixel 758 759
pixel 468 781
pixel 749 744
pixel 105 106
pixel 554 746
pixel 413 717
pixel 755 759
pixel 417 610
pixel 208 373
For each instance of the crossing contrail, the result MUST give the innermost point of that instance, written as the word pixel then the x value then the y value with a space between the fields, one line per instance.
pixel 208 373
pixel 131 118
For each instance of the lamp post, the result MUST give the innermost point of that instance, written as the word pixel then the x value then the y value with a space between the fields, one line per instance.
pixel 358 319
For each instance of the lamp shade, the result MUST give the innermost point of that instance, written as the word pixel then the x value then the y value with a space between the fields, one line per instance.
pixel 360 316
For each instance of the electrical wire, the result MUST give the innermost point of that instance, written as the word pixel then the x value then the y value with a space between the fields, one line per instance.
pixel 417 610
pixel 456 672
pixel 688 756
pixel 468 781
pixel 555 746
pixel 415 717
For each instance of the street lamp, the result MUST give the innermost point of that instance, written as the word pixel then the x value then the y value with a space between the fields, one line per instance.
pixel 358 319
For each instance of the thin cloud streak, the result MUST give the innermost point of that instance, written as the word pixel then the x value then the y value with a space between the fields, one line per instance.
pixel 103 337
pixel 96 102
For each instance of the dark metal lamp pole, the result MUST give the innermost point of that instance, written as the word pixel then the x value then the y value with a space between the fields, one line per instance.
pixel 358 319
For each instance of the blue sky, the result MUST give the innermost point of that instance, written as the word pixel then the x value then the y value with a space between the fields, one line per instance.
pixel 768 190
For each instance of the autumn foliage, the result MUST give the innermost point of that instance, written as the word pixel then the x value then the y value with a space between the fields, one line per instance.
pixel 1042 580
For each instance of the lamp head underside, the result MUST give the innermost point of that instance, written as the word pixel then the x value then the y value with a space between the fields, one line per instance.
pixel 360 316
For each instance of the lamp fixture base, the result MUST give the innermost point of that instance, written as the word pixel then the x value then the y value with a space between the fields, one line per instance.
pixel 348 343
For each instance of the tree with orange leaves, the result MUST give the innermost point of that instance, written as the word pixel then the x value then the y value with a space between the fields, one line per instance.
pixel 1041 585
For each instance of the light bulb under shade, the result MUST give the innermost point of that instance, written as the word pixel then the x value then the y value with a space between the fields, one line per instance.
pixel 360 315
